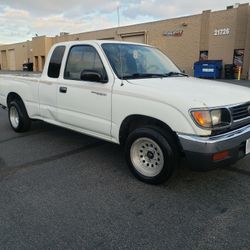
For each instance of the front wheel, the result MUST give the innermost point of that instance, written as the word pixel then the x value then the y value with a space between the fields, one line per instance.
pixel 18 117
pixel 152 155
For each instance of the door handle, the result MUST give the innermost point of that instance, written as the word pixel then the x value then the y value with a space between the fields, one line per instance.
pixel 63 89
pixel 98 93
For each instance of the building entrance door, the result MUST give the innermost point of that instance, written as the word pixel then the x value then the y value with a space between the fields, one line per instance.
pixel 12 60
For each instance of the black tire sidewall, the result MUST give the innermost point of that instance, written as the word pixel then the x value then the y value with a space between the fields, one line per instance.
pixel 167 147
pixel 24 121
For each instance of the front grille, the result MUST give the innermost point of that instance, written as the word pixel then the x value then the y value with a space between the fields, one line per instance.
pixel 240 116
pixel 240 112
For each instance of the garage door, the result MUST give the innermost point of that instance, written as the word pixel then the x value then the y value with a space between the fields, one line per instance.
pixel 134 38
pixel 12 60
pixel 4 59
pixel 107 38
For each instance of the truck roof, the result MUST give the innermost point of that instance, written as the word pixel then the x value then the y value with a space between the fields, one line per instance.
pixel 100 42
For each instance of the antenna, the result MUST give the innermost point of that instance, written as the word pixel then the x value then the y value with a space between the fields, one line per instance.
pixel 119 46
pixel 118 15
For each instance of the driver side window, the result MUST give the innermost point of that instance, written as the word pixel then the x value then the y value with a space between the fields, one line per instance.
pixel 83 58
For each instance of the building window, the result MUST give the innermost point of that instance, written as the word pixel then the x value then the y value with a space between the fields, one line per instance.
pixel 55 62
pixel 203 55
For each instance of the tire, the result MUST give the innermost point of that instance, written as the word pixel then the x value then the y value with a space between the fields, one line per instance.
pixel 18 117
pixel 151 154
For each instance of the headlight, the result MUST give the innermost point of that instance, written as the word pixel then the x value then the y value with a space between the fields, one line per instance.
pixel 212 118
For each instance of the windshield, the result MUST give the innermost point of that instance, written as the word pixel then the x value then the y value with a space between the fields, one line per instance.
pixel 131 61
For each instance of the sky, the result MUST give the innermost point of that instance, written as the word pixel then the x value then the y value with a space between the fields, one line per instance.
pixel 20 20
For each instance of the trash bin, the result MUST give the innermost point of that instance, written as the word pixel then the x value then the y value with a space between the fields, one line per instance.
pixel 28 67
pixel 208 69
pixel 229 71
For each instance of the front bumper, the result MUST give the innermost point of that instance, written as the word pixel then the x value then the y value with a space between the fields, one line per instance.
pixel 200 151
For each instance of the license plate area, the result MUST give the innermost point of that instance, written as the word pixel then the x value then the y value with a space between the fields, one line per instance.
pixel 248 147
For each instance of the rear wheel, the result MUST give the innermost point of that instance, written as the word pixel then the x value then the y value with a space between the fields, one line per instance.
pixel 151 154
pixel 18 117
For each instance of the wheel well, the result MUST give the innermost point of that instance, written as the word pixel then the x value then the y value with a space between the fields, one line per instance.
pixel 13 96
pixel 135 121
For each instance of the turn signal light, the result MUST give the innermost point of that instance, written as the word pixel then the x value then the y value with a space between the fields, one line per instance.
pixel 212 118
pixel 221 156
pixel 203 118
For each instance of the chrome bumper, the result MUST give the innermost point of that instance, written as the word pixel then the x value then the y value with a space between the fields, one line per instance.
pixel 198 148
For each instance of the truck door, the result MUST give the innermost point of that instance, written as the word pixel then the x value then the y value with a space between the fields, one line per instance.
pixel 84 92
pixel 49 84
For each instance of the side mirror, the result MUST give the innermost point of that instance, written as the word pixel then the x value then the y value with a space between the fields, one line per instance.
pixel 183 71
pixel 92 76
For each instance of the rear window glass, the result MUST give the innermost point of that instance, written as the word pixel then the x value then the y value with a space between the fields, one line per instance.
pixel 56 62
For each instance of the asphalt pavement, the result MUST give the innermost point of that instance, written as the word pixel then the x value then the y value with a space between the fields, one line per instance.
pixel 64 190
pixel 244 83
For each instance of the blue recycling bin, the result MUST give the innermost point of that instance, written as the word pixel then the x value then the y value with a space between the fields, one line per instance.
pixel 208 69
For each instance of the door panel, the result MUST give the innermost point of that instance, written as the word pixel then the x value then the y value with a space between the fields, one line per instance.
pixel 84 104
pixel 49 86
pixel 47 96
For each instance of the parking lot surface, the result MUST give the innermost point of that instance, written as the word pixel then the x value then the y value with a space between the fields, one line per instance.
pixel 64 190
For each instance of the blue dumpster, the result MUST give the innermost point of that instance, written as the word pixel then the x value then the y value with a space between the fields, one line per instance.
pixel 208 69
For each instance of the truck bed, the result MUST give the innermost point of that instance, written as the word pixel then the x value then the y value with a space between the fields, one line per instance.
pixel 23 83
pixel 4 73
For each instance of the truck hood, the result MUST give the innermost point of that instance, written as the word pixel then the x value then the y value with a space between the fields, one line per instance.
pixel 195 92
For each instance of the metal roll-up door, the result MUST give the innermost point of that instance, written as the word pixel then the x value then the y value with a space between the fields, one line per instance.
pixel 12 60
pixel 4 65
pixel 134 38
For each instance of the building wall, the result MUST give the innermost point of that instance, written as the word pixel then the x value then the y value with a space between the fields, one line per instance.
pixel 247 47
pixel 152 33
pixel 183 50
pixel 17 52
pixel 222 46
pixel 40 48
pixel 196 33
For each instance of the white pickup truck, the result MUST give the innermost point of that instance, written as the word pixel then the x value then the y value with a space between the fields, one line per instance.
pixel 133 95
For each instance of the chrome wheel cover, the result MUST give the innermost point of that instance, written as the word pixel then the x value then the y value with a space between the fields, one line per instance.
pixel 147 157
pixel 14 117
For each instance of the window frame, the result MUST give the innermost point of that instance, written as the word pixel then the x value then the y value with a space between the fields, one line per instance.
pixel 133 44
pixel 60 68
pixel 79 80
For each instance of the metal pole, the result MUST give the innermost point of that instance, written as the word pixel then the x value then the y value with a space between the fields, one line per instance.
pixel 118 15
pixel 239 73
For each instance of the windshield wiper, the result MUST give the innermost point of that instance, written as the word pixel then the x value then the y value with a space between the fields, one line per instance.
pixel 153 75
pixel 172 73
pixel 142 75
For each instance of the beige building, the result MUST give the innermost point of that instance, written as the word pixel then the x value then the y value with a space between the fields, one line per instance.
pixel 219 35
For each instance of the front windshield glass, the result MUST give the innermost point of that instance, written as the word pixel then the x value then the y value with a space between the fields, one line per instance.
pixel 130 61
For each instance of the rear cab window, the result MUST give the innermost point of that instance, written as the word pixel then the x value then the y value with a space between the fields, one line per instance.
pixel 56 62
